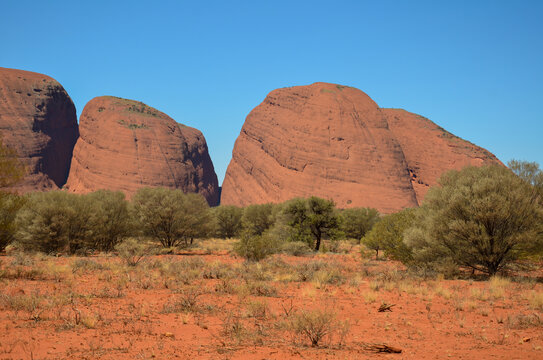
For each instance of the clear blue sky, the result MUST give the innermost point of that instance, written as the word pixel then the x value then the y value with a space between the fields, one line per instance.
pixel 473 67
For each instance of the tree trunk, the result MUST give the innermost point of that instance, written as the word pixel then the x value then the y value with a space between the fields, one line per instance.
pixel 318 235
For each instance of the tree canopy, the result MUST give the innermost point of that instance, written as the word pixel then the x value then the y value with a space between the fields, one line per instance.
pixel 481 218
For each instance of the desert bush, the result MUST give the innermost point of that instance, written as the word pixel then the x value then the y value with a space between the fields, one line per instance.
pixel 184 271
pixel 311 219
pixel 315 325
pixel 54 221
pixel 523 321
pixel 132 251
pixel 261 288
pixel 217 270
pixel 295 248
pixel 481 218
pixel 86 265
pixel 254 272
pixel 356 222
pixel 227 221
pixel 30 303
pixel 170 216
pixel 258 309
pixel 256 247
pixel 10 204
pixel 186 301
pixel 109 221
pixel 387 235
pixel 321 271
pixel 257 218
pixel 233 328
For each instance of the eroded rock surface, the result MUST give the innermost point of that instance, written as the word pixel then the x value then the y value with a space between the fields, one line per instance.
pixel 334 142
pixel 125 145
pixel 38 120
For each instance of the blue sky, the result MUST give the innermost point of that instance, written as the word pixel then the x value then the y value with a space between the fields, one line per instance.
pixel 473 67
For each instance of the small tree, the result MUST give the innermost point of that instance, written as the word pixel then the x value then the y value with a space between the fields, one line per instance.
pixel 482 218
pixel 110 220
pixel 227 220
pixel 170 216
pixel 356 222
pixel 257 218
pixel 311 219
pixel 387 235
pixel 197 217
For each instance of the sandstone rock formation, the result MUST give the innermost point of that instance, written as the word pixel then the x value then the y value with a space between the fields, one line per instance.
pixel 125 145
pixel 334 142
pixel 38 120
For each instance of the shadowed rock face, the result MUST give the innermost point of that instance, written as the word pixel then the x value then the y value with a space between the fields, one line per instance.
pixel 334 142
pixel 38 120
pixel 125 145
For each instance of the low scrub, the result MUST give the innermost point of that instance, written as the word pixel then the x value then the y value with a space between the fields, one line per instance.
pixel 132 251
pixel 314 325
pixel 256 247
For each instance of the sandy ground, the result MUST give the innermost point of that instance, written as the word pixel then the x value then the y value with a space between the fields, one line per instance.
pixel 208 304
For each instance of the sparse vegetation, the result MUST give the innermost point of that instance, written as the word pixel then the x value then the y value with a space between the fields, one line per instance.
pixel 132 251
pixel 315 325
pixel 200 288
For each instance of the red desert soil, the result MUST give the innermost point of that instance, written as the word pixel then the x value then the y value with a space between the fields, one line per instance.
pixel 38 120
pixel 333 141
pixel 125 145
pixel 208 304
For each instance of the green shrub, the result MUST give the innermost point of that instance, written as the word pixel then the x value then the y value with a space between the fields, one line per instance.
pixel 227 221
pixel 356 222
pixel 256 247
pixel 54 221
pixel 387 235
pixel 481 218
pixel 170 216
pixel 257 218
pixel 109 221
pixel 311 219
